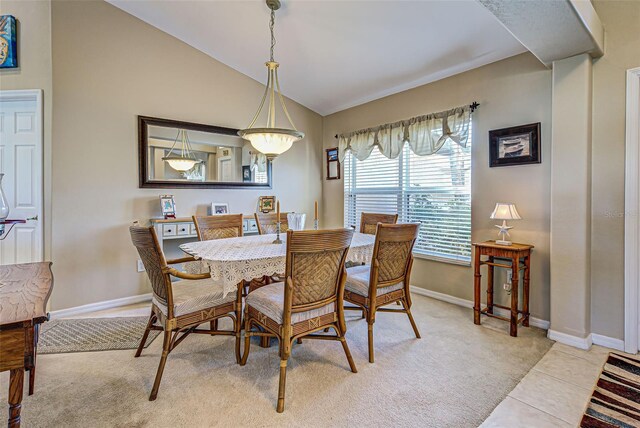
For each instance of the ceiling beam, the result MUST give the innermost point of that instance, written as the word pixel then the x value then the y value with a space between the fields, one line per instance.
pixel 551 30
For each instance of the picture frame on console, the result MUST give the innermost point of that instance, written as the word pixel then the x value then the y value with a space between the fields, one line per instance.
pixel 266 204
pixel 219 208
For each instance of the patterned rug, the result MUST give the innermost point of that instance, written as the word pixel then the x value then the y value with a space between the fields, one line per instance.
pixel 92 334
pixel 615 402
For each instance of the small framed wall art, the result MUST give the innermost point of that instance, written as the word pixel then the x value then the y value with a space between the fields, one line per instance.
pixel 218 208
pixel 333 164
pixel 518 145
pixel 8 42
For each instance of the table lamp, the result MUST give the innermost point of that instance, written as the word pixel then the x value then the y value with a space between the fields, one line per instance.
pixel 504 212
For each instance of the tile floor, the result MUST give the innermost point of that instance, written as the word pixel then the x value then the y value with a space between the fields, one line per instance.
pixel 553 394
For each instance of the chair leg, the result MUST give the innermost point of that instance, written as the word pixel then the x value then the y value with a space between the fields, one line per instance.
pixel 343 340
pixel 237 324
pixel 281 385
pixel 370 328
pixel 413 323
pixel 163 359
pixel 152 319
pixel 213 325
pixel 247 341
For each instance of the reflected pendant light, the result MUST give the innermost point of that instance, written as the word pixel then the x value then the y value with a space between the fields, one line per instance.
pixel 186 159
pixel 271 140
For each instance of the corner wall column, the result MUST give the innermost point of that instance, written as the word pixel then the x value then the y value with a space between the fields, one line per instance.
pixel 571 201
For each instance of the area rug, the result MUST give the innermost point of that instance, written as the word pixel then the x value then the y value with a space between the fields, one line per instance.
pixel 615 402
pixel 453 377
pixel 93 334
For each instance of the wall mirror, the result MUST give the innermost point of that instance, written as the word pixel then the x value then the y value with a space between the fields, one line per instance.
pixel 175 154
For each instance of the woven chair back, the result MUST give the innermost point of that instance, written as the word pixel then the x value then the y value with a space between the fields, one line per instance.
pixel 218 226
pixel 315 264
pixel 267 223
pixel 392 250
pixel 369 221
pixel 146 242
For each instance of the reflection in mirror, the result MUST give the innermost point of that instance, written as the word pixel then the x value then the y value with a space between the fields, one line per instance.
pixel 187 155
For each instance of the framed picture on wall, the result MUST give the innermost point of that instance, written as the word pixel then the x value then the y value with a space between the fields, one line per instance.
pixel 333 164
pixel 518 145
pixel 8 42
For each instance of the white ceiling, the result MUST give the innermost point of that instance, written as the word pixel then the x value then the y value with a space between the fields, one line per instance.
pixel 338 54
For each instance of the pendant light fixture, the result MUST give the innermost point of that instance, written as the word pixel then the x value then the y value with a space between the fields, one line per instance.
pixel 186 159
pixel 271 140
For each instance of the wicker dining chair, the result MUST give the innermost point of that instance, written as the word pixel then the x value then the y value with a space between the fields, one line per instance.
pixel 218 226
pixel 310 299
pixel 369 221
pixel 178 308
pixel 267 223
pixel 386 280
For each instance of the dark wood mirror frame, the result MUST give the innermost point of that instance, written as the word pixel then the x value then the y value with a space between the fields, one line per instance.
pixel 143 149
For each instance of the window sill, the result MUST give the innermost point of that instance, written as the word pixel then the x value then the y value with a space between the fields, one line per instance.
pixel 441 259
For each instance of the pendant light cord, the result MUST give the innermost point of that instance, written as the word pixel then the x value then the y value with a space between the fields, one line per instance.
pixel 273 37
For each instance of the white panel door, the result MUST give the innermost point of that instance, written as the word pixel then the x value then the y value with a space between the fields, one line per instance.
pixel 21 163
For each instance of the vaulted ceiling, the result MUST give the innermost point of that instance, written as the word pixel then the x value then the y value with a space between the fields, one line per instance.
pixel 338 54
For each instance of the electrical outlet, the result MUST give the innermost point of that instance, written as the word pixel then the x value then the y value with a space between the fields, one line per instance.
pixel 507 287
pixel 140 266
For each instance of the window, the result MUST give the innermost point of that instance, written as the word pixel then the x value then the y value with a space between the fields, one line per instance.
pixel 433 190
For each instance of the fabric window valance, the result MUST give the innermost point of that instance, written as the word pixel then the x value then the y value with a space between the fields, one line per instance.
pixel 425 135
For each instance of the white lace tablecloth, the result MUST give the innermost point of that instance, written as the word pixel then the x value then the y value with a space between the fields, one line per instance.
pixel 232 260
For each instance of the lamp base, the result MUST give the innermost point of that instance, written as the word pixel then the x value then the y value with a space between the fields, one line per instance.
pixel 501 242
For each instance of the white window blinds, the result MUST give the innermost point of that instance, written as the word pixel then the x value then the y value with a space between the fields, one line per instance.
pixel 433 190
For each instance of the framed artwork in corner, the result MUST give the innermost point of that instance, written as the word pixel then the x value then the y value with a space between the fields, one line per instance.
pixel 168 206
pixel 218 208
pixel 333 164
pixel 518 145
pixel 8 42
pixel 266 204
pixel 246 173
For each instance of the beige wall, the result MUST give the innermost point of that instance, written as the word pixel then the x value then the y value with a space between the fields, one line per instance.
pixel 34 72
pixel 511 92
pixel 621 20
pixel 102 81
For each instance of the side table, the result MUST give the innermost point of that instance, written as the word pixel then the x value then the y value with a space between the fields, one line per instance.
pixel 516 257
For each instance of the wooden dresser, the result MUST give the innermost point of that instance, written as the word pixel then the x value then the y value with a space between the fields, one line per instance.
pixel 24 292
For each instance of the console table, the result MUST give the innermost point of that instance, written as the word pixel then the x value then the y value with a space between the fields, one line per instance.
pixel 516 257
pixel 24 292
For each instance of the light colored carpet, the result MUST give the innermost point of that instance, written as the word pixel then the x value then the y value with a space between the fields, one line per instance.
pixel 93 334
pixel 453 377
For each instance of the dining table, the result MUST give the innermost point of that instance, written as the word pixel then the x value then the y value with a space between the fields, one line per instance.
pixel 234 261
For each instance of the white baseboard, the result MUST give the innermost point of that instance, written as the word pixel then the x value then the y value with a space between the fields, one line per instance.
pixel 107 304
pixel 534 322
pixel 567 339
pixel 608 342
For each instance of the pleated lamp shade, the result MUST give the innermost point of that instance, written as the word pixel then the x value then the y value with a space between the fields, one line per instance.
pixel 504 211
